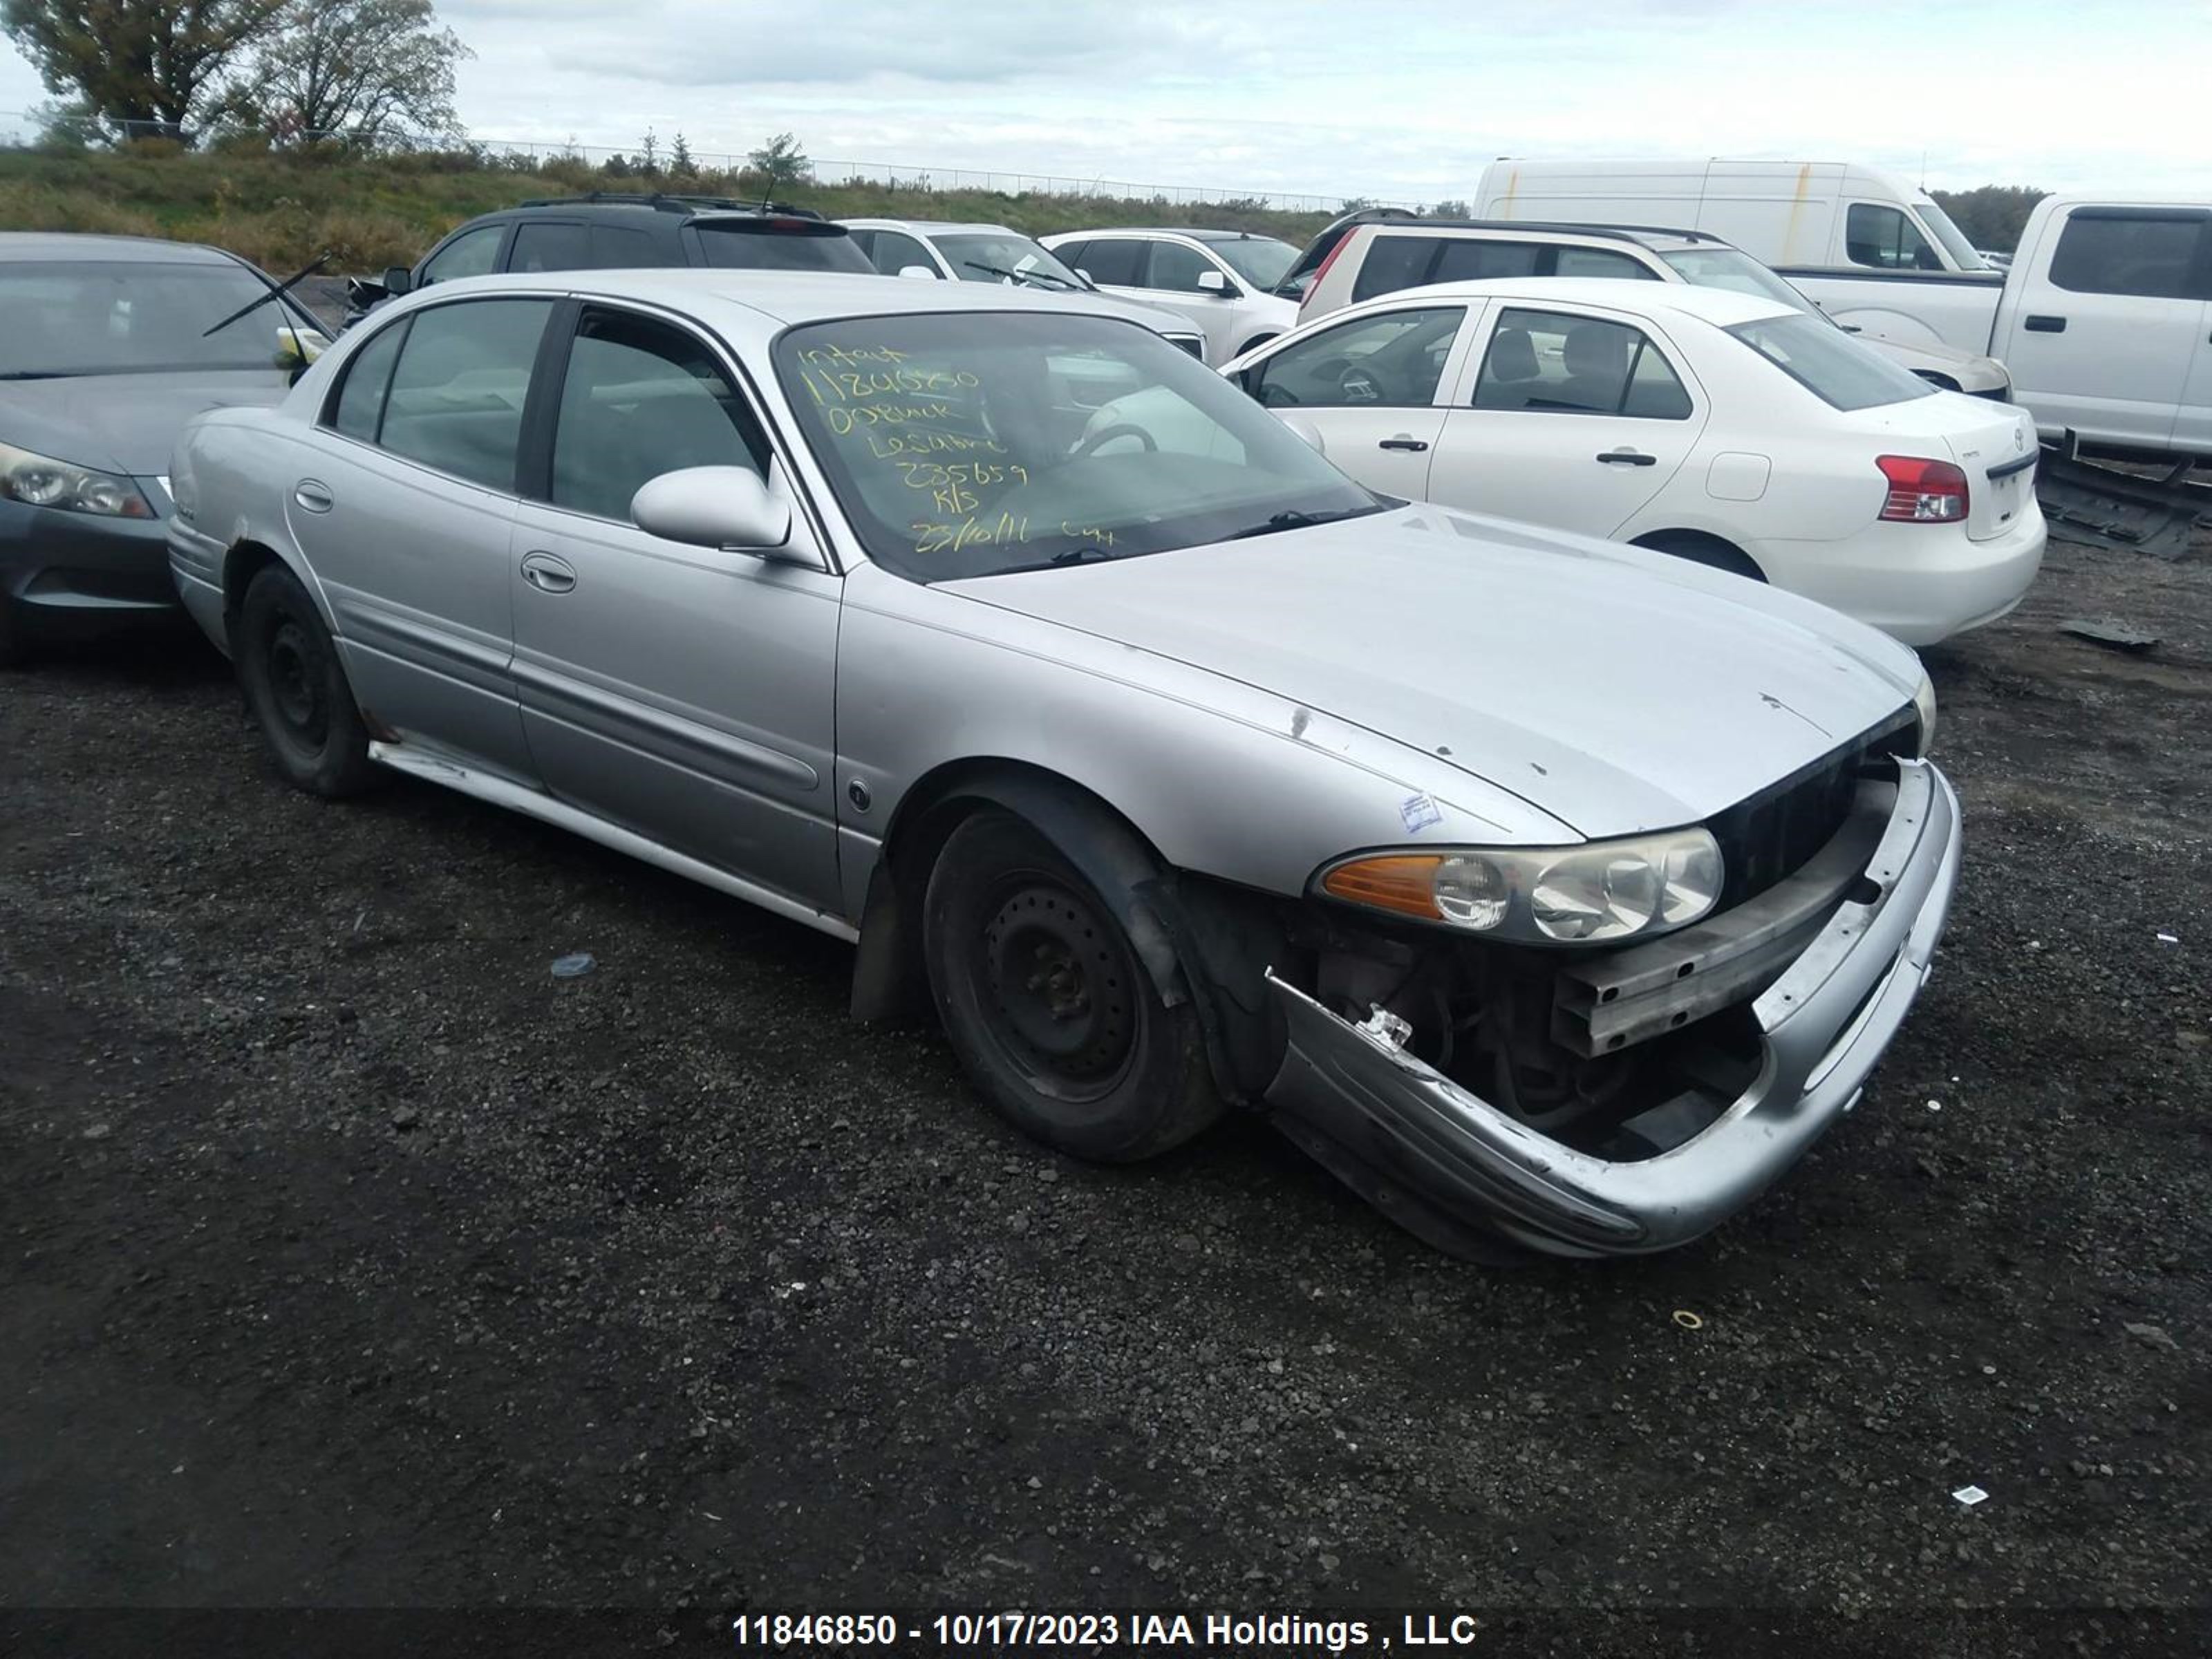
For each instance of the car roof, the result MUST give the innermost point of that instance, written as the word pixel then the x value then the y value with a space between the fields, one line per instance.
pixel 1191 231
pixel 29 245
pixel 791 297
pixel 934 227
pixel 1723 308
pixel 1647 235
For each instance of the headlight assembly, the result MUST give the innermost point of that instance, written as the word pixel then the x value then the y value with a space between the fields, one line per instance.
pixel 38 482
pixel 1924 700
pixel 1598 893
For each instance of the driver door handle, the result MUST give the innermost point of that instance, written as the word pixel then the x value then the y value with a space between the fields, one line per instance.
pixel 1628 458
pixel 547 573
pixel 1403 441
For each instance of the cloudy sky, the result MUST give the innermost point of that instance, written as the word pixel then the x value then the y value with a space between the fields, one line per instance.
pixel 1391 99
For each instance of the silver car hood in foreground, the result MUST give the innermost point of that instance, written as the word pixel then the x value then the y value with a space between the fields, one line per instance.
pixel 1616 690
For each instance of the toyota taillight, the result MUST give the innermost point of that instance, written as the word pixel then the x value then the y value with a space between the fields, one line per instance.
pixel 1922 491
pixel 1314 287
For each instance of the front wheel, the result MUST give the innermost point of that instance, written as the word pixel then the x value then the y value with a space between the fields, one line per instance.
pixel 1047 1006
pixel 296 687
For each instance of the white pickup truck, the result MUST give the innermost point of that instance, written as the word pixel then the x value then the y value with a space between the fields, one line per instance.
pixel 2105 318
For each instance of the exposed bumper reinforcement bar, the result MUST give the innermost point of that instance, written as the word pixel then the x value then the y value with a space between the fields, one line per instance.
pixel 1401 1131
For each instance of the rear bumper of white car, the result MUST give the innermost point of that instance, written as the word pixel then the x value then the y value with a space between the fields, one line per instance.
pixel 1920 583
pixel 1414 1134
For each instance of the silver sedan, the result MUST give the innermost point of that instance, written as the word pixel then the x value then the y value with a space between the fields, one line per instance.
pixel 1554 895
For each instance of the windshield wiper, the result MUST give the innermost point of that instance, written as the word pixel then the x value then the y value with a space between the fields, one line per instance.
pixel 1072 555
pixel 34 374
pixel 276 291
pixel 1298 518
pixel 1040 278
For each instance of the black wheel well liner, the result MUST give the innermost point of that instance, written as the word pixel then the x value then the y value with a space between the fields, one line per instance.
pixel 1199 941
pixel 1678 541
pixel 241 563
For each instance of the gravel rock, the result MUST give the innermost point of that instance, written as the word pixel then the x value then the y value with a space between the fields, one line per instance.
pixel 571 1307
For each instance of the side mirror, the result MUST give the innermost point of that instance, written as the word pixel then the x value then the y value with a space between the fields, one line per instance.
pixel 1307 431
pixel 717 507
pixel 399 280
pixel 921 273
pixel 1213 283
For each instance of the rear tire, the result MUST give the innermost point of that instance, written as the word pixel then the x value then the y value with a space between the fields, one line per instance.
pixel 1045 1002
pixel 1700 548
pixel 296 687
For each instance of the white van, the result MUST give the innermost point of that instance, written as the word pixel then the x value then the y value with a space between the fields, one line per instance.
pixel 1784 214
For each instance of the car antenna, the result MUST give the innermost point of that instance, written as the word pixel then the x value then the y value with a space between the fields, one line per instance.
pixel 276 291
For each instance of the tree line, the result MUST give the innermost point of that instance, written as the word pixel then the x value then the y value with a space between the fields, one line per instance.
pixel 294 70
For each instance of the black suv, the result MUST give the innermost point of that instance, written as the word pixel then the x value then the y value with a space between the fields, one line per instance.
pixel 604 232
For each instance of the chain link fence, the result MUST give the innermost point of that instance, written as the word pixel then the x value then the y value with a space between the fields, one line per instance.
pixel 21 130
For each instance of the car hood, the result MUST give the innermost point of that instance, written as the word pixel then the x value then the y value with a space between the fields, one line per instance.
pixel 125 424
pixel 1616 690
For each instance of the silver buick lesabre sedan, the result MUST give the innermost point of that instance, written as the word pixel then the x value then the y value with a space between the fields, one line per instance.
pixel 1554 895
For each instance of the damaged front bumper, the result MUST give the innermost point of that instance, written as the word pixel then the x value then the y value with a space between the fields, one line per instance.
pixel 1457 1171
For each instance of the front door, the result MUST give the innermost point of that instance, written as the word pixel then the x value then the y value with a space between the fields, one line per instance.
pixel 1577 420
pixel 2108 321
pixel 684 693
pixel 1368 386
pixel 403 503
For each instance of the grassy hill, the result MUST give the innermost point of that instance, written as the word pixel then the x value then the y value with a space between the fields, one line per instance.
pixel 282 210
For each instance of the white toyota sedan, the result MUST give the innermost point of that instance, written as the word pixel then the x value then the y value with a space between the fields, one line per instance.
pixel 1720 427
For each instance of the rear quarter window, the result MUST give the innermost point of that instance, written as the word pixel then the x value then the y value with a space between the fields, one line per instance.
pixel 755 246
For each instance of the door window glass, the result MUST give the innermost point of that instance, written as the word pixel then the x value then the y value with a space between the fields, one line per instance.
pixel 642 398
pixel 615 247
pixel 1175 268
pixel 1393 360
pixel 2148 255
pixel 457 395
pixel 359 410
pixel 1395 262
pixel 473 253
pixel 1114 261
pixel 1885 239
pixel 1556 363
pixel 1474 259
pixel 554 246
pixel 894 251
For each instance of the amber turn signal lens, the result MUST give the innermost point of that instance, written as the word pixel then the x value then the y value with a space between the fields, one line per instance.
pixel 1406 885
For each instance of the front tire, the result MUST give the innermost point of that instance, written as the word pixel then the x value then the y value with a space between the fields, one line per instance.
pixel 1049 1008
pixel 296 687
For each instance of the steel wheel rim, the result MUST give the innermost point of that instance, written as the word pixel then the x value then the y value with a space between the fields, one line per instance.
pixel 298 692
pixel 1057 988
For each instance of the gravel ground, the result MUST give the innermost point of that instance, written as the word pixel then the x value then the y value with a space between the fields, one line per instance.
pixel 350 1259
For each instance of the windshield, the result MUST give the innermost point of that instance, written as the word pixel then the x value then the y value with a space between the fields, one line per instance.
pixel 1953 240
pixel 1736 270
pixel 979 443
pixel 1004 257
pixel 1829 364
pixel 135 318
pixel 1259 260
pixel 759 245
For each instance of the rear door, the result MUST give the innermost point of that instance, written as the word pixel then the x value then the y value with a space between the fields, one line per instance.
pixel 686 693
pixel 1369 386
pixel 405 502
pixel 2111 310
pixel 1568 416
